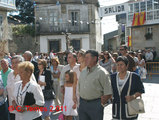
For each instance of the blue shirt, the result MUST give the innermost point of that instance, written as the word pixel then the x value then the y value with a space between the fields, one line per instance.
pixel 3 96
pixel 5 76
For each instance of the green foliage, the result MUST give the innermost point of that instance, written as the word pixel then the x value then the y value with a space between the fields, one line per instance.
pixel 21 30
pixel 26 11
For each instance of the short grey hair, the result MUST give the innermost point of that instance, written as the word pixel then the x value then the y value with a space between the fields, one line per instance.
pixel 5 60
pixel 18 57
pixel 29 54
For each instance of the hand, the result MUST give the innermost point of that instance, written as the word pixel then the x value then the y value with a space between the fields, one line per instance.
pixel 1 91
pixel 74 106
pixel 75 99
pixel 129 98
pixel 62 89
pixel 22 109
pixel 104 99
pixel 41 83
pixel 14 104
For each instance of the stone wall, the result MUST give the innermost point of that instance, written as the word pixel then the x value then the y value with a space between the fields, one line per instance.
pixel 20 44
pixel 138 37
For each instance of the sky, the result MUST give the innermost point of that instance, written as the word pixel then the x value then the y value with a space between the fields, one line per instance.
pixel 109 23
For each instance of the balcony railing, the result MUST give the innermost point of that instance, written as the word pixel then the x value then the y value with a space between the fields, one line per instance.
pixel 50 29
pixel 7 4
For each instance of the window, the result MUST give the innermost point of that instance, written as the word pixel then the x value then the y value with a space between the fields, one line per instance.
pixel 54 45
pixel 149 30
pixel 149 15
pixel 76 44
pixel 136 7
pixel 149 5
pixel 142 6
pixel 131 8
pixel 43 15
pixel 130 17
pixel 156 4
pixel 53 17
pixel 149 34
pixel 11 2
pixel 1 20
pixel 74 17
pixel 156 14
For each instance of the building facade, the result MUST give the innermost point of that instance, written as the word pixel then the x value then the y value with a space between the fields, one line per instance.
pixel 5 30
pixel 60 22
pixel 111 41
pixel 146 35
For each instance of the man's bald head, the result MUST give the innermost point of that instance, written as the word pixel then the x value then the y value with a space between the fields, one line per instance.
pixel 27 56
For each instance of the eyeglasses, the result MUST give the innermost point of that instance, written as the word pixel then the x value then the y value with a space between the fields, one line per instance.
pixel 39 64
pixel 122 49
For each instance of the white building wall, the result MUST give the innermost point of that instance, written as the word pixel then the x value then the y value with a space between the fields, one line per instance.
pixel 44 41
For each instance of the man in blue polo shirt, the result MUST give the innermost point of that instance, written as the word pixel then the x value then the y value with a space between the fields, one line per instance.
pixel 5 71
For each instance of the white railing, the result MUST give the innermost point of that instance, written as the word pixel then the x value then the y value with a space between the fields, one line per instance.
pixel 8 4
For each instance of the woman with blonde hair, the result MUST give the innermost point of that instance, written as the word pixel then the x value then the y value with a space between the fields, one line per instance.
pixel 27 94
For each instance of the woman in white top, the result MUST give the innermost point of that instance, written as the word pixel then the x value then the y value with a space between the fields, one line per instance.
pixel 14 77
pixel 56 69
pixel 28 97
pixel 77 70
pixel 142 65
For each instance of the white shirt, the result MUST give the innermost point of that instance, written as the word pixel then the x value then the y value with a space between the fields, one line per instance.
pixel 12 79
pixel 136 60
pixel 122 82
pixel 51 55
pixel 149 56
pixel 59 69
pixel 76 69
pixel 62 75
pixel 19 96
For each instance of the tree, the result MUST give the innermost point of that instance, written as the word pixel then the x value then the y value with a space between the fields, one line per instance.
pixel 26 11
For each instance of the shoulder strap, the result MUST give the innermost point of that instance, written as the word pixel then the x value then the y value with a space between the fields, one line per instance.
pixel 128 93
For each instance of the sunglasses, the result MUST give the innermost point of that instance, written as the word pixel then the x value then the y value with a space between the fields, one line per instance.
pixel 122 49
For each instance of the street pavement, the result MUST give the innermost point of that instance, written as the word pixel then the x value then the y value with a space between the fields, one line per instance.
pixel 151 101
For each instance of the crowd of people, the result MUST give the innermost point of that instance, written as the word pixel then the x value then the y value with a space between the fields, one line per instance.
pixel 83 81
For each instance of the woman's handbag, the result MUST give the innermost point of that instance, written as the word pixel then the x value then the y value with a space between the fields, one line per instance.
pixel 135 106
pixel 49 94
pixel 29 99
